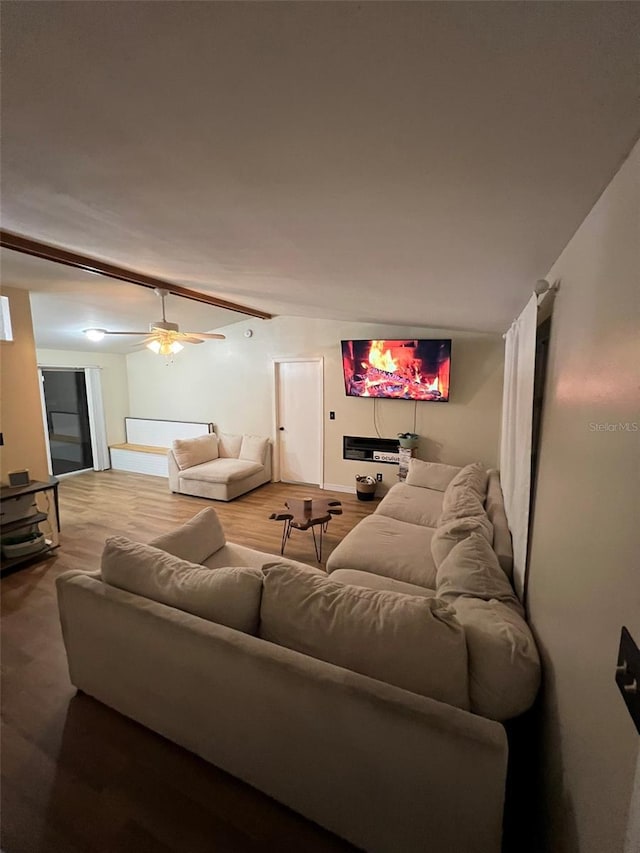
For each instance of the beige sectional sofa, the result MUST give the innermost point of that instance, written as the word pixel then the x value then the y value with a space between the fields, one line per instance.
pixel 444 532
pixel 368 702
pixel 219 467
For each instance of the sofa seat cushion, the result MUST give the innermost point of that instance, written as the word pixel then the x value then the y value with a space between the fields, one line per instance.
pixel 504 666
pixel 472 569
pixel 412 504
pixel 194 451
pixel 195 540
pixel 386 546
pixel 449 534
pixel 430 475
pixel 222 471
pixel 371 581
pixel 409 641
pixel 232 554
pixel 228 596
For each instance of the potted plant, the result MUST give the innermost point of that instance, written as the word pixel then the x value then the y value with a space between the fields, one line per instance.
pixel 408 439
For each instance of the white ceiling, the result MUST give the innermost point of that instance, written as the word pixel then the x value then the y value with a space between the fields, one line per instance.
pixel 418 163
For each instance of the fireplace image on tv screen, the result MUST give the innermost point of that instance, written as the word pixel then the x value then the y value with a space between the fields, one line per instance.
pixel 402 370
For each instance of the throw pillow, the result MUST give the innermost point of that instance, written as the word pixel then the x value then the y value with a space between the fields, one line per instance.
pixel 454 531
pixel 472 569
pixel 504 667
pixel 430 475
pixel 229 445
pixel 195 451
pixel 228 596
pixel 197 539
pixel 409 641
pixel 253 448
pixel 473 476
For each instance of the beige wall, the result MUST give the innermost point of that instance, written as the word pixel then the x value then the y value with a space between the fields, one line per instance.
pixel 21 410
pixel 231 383
pixel 115 391
pixel 584 576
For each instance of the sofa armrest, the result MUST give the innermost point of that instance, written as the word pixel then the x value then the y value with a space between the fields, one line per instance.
pixel 174 472
pixel 384 768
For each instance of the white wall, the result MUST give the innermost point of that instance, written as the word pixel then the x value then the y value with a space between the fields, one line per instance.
pixel 584 575
pixel 115 392
pixel 231 383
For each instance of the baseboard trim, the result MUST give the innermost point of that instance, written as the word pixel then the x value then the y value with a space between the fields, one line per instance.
pixel 332 487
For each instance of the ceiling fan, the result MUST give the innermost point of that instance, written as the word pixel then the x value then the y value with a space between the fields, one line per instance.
pixel 163 337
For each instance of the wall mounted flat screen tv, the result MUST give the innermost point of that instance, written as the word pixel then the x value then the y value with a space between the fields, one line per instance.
pixel 399 370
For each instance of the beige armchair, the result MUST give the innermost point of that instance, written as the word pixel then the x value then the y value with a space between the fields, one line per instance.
pixel 219 467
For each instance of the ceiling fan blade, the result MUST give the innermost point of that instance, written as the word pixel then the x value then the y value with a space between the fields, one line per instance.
pixel 126 333
pixel 205 336
pixel 190 339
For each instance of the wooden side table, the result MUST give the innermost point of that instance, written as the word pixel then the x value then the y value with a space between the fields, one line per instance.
pixel 302 516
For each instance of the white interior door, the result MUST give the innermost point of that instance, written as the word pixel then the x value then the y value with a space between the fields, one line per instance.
pixel 299 420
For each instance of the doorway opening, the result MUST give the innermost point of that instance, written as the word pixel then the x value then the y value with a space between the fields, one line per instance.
pixel 66 410
pixel 299 420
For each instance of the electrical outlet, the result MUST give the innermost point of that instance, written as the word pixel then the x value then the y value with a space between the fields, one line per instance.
pixel 379 477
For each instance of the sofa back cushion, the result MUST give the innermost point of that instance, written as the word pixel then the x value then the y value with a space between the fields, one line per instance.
pixel 494 506
pixel 504 666
pixel 472 569
pixel 449 534
pixel 228 596
pixel 229 445
pixel 473 476
pixel 194 451
pixel 430 475
pixel 253 448
pixel 196 539
pixel 411 642
pixel 461 502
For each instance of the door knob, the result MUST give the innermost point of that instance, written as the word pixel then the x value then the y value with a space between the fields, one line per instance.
pixel 281 429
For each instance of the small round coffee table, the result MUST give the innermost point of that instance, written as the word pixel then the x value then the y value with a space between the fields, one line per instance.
pixel 307 514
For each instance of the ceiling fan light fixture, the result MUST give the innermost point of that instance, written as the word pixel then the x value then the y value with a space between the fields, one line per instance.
pixel 95 334
pixel 164 337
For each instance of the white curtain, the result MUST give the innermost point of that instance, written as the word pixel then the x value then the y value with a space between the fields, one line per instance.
pixel 97 424
pixel 517 421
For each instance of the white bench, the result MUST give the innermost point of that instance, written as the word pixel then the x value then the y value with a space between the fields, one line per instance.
pixel 148 442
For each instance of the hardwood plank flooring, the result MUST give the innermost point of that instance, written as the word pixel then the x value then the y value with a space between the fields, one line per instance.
pixel 78 777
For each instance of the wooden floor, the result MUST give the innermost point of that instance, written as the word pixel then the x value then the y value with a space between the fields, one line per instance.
pixel 76 776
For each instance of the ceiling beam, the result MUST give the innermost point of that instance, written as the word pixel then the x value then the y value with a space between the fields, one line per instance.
pixel 27 246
